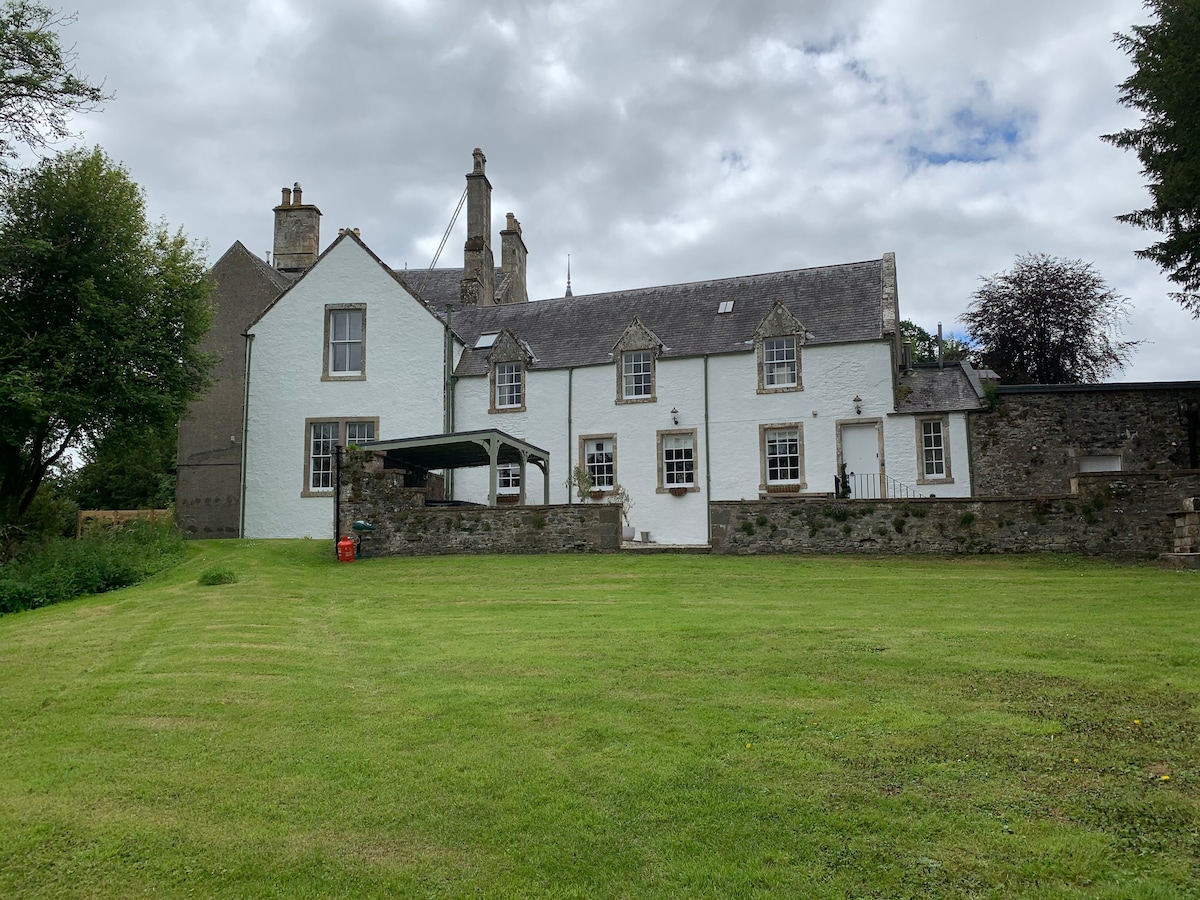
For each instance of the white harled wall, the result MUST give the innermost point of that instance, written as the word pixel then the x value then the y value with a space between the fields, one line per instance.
pixel 403 387
pixel 832 376
pixel 404 390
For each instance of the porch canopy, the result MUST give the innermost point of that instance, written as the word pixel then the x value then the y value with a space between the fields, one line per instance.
pixel 466 450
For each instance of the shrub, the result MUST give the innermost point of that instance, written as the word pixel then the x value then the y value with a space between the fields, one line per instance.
pixel 966 519
pixel 217 575
pixel 100 561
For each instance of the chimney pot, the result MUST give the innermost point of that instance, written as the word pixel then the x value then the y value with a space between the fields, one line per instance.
pixel 480 161
pixel 297 232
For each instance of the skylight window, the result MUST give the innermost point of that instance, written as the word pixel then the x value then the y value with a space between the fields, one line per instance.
pixel 726 306
pixel 486 339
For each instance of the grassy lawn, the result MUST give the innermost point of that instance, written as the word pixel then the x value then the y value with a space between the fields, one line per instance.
pixel 606 727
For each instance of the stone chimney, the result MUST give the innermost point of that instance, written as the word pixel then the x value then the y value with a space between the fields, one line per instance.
pixel 479 268
pixel 297 232
pixel 512 261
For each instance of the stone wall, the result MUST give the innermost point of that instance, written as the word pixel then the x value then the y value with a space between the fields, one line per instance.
pixel 1187 527
pixel 405 526
pixel 208 485
pixel 1121 516
pixel 1031 443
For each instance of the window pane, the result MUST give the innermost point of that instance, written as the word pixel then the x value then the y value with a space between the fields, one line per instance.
pixel 508 384
pixel 360 432
pixel 933 449
pixel 508 478
pixel 345 341
pixel 598 457
pixel 324 442
pixel 637 374
pixel 779 362
pixel 783 455
pixel 678 460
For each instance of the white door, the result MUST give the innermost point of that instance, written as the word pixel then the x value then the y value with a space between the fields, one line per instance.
pixel 860 453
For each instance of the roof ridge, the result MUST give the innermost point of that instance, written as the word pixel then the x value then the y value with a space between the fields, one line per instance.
pixel 730 279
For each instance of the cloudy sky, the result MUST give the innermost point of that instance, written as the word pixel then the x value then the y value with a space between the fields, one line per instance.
pixel 655 142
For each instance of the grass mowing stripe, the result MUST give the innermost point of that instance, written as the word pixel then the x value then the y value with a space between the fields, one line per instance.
pixel 606 726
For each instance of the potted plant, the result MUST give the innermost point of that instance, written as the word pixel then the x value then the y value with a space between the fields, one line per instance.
pixel 621 497
pixel 580 480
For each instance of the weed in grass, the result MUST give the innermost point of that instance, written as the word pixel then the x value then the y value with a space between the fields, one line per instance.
pixel 217 575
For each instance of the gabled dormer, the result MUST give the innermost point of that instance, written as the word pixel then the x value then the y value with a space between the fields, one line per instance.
pixel 507 362
pixel 636 355
pixel 777 342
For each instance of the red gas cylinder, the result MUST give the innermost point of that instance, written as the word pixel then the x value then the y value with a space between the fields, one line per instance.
pixel 345 548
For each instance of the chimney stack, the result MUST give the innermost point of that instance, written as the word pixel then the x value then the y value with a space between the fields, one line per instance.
pixel 297 232
pixel 512 261
pixel 479 268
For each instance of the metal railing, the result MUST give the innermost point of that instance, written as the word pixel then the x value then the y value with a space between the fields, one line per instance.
pixel 877 487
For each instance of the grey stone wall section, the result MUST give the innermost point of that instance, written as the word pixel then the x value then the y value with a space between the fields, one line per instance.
pixel 209 457
pixel 1031 442
pixel 405 526
pixel 1133 516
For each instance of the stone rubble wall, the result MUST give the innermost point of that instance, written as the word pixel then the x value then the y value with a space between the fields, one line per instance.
pixel 1187 527
pixel 405 526
pixel 1031 442
pixel 1118 515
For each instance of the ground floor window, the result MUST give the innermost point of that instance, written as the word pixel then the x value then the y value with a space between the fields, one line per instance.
pixel 322 440
pixel 677 460
pixel 508 478
pixel 599 458
pixel 933 450
pixel 783 456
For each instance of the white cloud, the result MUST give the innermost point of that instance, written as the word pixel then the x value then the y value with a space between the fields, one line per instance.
pixel 656 143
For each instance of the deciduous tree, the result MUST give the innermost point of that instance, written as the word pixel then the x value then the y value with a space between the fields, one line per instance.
pixel 1165 88
pixel 925 345
pixel 1048 321
pixel 100 314
pixel 39 88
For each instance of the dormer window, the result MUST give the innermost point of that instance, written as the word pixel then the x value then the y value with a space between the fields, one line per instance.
pixel 509 385
pixel 779 362
pixel 345 341
pixel 636 355
pixel 507 363
pixel 777 341
pixel 637 375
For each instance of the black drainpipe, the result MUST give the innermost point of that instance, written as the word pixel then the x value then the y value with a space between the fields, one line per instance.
pixel 570 432
pixel 245 425
pixel 337 498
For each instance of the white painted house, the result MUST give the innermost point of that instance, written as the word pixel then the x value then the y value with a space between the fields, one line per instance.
pixel 738 388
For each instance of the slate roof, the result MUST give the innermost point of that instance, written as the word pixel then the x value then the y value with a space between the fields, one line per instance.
pixel 834 303
pixel 440 288
pixel 956 387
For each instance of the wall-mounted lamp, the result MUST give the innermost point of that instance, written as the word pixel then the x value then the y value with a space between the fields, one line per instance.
pixel 674 415
pixel 857 405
